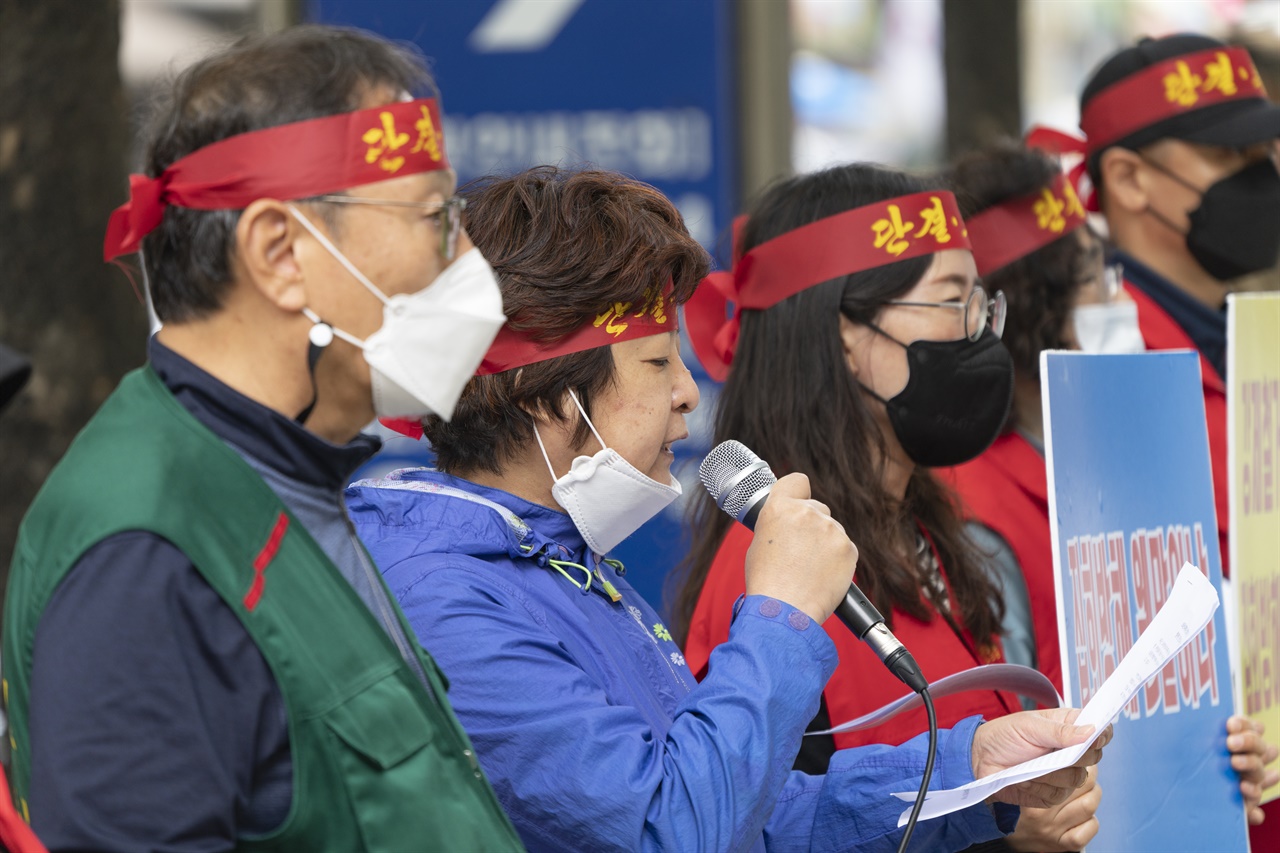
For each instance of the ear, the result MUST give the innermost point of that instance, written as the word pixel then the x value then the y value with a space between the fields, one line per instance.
pixel 852 337
pixel 1124 180
pixel 545 418
pixel 266 253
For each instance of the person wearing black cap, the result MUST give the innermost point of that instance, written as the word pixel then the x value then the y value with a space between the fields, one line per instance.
pixel 1180 151
pixel 1182 154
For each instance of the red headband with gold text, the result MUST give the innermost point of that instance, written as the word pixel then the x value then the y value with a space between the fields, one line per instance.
pixel 871 236
pixel 1015 228
pixel 1166 89
pixel 619 321
pixel 290 161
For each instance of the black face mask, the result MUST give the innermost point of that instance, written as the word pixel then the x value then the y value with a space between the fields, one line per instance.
pixel 957 398
pixel 1236 229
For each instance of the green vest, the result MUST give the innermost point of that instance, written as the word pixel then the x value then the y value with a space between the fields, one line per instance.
pixel 378 763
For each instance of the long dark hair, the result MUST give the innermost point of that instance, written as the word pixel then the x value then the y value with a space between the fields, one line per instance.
pixel 792 399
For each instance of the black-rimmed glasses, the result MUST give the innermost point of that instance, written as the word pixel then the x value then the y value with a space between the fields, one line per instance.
pixel 450 215
pixel 979 311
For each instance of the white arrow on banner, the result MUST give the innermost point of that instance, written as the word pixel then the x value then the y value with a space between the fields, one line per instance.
pixel 515 26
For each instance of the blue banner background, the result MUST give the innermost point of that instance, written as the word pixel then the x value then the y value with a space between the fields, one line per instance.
pixel 1128 450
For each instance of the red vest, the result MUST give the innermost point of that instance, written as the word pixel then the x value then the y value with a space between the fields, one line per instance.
pixel 1005 489
pixel 1162 332
pixel 860 683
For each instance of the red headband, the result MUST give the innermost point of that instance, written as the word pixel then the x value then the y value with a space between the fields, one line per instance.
pixel 290 161
pixel 1170 88
pixel 617 323
pixel 1015 228
pixel 882 233
pixel 1167 89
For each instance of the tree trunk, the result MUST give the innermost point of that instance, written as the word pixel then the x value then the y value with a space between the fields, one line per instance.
pixel 63 143
pixel 980 54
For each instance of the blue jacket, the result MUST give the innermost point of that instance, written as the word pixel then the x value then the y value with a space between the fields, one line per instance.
pixel 594 732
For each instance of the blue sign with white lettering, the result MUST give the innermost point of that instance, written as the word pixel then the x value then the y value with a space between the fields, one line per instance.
pixel 1131 497
pixel 645 89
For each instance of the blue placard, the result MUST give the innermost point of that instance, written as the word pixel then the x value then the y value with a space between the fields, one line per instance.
pixel 643 88
pixel 1131 500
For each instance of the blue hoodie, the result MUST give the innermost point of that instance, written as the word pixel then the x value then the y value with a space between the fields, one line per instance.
pixel 592 729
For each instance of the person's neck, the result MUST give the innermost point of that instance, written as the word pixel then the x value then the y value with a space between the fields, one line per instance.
pixel 264 365
pixel 1170 259
pixel 1027 407
pixel 521 477
pixel 342 403
pixel 897 474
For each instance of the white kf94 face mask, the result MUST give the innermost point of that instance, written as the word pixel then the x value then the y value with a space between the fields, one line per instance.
pixel 1109 327
pixel 605 495
pixel 430 342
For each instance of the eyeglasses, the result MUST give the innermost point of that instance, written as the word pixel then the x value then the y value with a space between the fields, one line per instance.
pixel 979 311
pixel 449 210
pixel 1105 286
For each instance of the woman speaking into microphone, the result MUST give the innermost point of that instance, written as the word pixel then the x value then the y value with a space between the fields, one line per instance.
pixel 594 732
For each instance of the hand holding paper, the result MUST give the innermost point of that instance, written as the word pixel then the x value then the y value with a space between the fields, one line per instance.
pixel 1190 606
pixel 1004 743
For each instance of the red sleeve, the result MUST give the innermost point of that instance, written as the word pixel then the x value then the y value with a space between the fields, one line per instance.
pixel 724 583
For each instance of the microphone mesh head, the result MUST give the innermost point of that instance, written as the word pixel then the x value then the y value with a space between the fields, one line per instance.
pixel 723 466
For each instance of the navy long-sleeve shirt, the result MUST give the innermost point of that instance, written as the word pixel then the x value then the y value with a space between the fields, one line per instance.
pixel 156 723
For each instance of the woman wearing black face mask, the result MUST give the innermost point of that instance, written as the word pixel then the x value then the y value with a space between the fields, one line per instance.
pixel 864 351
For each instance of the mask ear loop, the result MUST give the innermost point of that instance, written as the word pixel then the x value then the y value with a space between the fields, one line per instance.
pixel 882 333
pixel 545 457
pixel 1158 216
pixel 559 565
pixel 341 258
pixel 590 425
pixel 322 334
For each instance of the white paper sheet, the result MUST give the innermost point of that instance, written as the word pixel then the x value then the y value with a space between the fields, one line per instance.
pixel 1185 613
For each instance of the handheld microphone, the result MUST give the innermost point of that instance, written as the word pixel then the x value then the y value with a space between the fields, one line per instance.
pixel 740 482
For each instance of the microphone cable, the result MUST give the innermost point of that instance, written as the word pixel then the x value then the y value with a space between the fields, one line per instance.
pixel 928 771
pixel 740 482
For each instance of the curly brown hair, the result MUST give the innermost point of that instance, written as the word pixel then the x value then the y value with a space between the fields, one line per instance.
pixel 564 244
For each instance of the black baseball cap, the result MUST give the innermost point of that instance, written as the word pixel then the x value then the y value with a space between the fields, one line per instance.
pixel 1236 123
pixel 14 372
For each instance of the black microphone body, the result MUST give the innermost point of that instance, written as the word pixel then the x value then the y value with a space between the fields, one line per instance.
pixel 740 483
